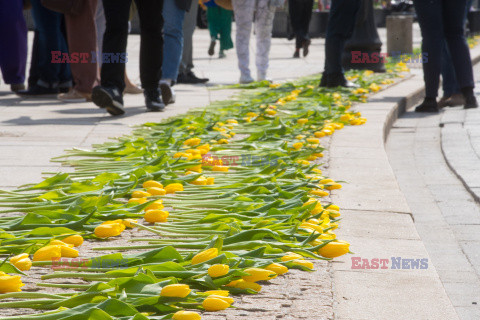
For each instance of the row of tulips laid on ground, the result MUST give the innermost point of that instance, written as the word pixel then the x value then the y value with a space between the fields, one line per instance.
pixel 231 195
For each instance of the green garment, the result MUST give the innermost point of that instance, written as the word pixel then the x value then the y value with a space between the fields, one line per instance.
pixel 220 24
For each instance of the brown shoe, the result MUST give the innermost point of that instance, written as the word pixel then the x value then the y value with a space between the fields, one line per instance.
pixel 75 96
pixel 442 103
pixel 455 100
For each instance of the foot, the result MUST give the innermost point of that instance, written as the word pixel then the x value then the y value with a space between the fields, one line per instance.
pixel 75 96
pixel 262 76
pixel 211 48
pixel 168 94
pixel 306 45
pixel 297 53
pixel 221 54
pixel 153 100
pixel 442 103
pixel 108 98
pixel 190 78
pixel 38 91
pixel 334 80
pixel 470 102
pixel 455 100
pixel 244 79
pixel 17 87
pixel 428 105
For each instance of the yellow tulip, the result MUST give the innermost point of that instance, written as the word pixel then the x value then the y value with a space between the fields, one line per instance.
pixel 302 121
pixel 21 261
pixel 47 253
pixel 224 298
pixel 192 142
pixel 156 191
pixel 75 239
pixel 319 134
pixel 313 140
pixel 333 186
pixel 242 284
pixel 129 223
pixel 108 230
pixel 152 184
pixel 223 293
pixel 10 283
pixel 257 274
pixel 200 181
pixel 304 263
pixel 205 255
pixel 334 249
pixel 156 205
pixel 220 168
pixel 137 201
pixel 140 194
pixel 176 290
pixel 319 192
pixel 223 141
pixel 156 215
pixel 60 243
pixel 173 187
pixel 186 315
pixel 291 256
pixel 210 180
pixel 297 145
pixel 277 268
pixel 214 304
pixel 218 270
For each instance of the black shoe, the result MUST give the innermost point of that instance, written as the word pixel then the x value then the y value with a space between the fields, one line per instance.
pixel 470 102
pixel 428 105
pixel 153 101
pixel 306 44
pixel 108 98
pixel 168 95
pixel 334 80
pixel 291 36
pixel 297 53
pixel 17 87
pixel 190 78
pixel 211 48
pixel 37 90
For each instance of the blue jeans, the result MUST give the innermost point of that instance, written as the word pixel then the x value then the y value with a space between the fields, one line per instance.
pixel 449 84
pixel 442 20
pixel 341 21
pixel 50 38
pixel 173 39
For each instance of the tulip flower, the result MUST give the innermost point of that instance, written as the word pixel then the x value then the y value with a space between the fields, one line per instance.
pixel 223 293
pixel 174 187
pixel 205 255
pixel 192 142
pixel 10 283
pixel 277 268
pixel 175 290
pixel 242 284
pixel 220 168
pixel 334 249
pixel 291 256
pixel 304 263
pixel 257 274
pixel 47 253
pixel 140 194
pixel 302 120
pixel 22 262
pixel 76 240
pixel 152 184
pixel 218 270
pixel 214 304
pixel 156 205
pixel 108 230
pixel 156 215
pixel 186 315
pixel 297 145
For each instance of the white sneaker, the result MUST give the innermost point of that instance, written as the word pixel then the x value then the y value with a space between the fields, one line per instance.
pixel 261 76
pixel 244 79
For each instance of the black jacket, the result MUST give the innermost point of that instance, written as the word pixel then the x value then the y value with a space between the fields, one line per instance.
pixel 184 4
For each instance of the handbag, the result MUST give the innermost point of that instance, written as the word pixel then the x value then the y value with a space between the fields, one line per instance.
pixel 71 7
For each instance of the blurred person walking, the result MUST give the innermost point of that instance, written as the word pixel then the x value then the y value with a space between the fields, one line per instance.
pixel 440 21
pixel 245 11
pixel 185 71
pixel 300 12
pixel 82 38
pixel 109 94
pixel 220 27
pixel 13 44
pixel 45 77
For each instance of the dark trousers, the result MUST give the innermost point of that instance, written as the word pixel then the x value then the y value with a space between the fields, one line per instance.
pixel 151 41
pixel 13 41
pixel 443 20
pixel 341 21
pixel 48 26
pixel 300 12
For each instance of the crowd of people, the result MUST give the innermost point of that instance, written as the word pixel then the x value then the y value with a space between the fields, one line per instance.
pixel 79 47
